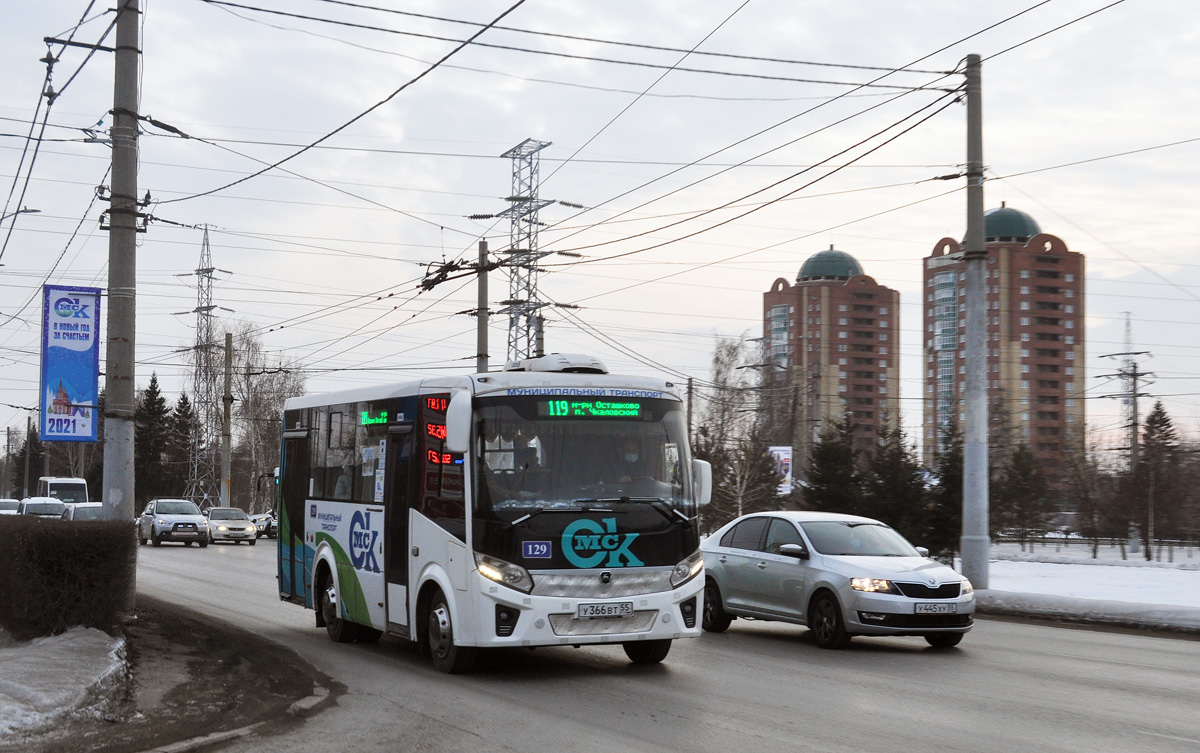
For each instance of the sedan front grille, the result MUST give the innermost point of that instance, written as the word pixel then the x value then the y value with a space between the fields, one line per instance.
pixel 916 621
pixel 922 591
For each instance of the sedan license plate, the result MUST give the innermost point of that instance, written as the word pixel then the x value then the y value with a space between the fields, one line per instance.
pixel 611 609
pixel 937 609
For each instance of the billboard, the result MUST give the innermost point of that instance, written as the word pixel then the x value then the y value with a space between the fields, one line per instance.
pixel 70 363
pixel 783 468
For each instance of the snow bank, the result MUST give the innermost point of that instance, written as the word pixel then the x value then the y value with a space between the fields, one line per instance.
pixel 1098 611
pixel 47 680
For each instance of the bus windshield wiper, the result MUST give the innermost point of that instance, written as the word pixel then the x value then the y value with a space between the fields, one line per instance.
pixel 658 503
pixel 573 508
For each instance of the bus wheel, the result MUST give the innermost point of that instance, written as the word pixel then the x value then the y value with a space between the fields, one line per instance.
pixel 340 631
pixel 647 652
pixel 447 657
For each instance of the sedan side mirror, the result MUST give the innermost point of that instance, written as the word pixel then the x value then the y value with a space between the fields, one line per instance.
pixel 794 550
pixel 922 551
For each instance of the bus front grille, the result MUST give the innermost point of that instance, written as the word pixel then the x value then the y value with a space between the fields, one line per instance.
pixel 568 625
pixel 590 584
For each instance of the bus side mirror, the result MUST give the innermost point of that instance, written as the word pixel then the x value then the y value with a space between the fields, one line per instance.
pixel 702 481
pixel 458 422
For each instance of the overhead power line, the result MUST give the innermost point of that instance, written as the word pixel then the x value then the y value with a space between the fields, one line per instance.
pixel 566 55
pixel 358 117
pixel 618 43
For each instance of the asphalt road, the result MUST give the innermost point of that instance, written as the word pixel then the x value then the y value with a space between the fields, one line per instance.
pixel 1010 687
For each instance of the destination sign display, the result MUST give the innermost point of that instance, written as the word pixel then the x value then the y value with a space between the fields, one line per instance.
pixel 589 409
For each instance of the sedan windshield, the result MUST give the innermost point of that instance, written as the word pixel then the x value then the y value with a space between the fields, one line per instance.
pixel 177 507
pixel 860 539
pixel 552 452
pixel 227 513
pixel 88 513
pixel 9 504
pixel 45 508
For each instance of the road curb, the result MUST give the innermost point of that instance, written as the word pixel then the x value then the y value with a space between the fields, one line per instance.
pixel 318 701
pixel 197 743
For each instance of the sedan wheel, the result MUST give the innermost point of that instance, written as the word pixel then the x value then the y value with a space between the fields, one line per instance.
pixel 944 640
pixel 715 618
pixel 825 622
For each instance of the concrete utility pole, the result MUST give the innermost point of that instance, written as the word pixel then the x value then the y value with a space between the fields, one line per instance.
pixel 481 323
pixel 28 451
pixel 226 431
pixel 975 539
pixel 117 490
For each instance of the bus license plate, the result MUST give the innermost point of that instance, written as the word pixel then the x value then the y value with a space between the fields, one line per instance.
pixel 937 609
pixel 611 609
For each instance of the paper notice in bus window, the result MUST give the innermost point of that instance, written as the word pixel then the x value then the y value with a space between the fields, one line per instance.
pixel 368 461
pixel 382 454
pixel 379 485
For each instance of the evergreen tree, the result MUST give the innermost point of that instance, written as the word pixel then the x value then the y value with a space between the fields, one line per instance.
pixel 943 523
pixel 177 465
pixel 1158 478
pixel 894 485
pixel 1020 502
pixel 834 481
pixel 152 426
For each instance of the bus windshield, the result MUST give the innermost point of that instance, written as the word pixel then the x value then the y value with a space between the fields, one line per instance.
pixel 553 452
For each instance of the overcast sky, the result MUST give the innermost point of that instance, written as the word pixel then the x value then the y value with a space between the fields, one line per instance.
pixel 668 163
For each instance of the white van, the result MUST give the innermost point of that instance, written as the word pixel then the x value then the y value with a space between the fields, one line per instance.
pixel 66 489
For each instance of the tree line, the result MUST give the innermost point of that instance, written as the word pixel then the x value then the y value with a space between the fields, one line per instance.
pixel 884 477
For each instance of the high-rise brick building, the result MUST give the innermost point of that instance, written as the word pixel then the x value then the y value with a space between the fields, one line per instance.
pixel 1035 333
pixel 832 344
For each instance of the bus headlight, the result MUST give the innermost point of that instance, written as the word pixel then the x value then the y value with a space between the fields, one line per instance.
pixel 687 569
pixel 504 573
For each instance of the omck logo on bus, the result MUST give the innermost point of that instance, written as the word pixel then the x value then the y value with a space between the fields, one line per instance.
pixel 362 542
pixel 71 308
pixel 587 543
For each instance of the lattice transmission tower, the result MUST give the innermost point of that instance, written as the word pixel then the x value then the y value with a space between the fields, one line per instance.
pixel 523 306
pixel 202 486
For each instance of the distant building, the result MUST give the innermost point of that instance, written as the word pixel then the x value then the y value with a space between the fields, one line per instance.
pixel 1035 333
pixel 831 342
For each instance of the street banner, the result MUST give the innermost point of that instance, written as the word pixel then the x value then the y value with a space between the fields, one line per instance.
pixel 783 468
pixel 70 363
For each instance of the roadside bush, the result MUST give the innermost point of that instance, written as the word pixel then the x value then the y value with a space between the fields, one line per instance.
pixel 57 574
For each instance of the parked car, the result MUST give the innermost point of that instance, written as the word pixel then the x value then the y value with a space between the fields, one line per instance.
pixel 43 507
pixel 265 523
pixel 230 524
pixel 9 506
pixel 84 511
pixel 840 575
pixel 172 520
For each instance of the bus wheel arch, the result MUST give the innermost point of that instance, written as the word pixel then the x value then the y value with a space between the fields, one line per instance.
pixel 327 598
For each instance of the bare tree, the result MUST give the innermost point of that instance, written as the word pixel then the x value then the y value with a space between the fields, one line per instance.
pixel 261 384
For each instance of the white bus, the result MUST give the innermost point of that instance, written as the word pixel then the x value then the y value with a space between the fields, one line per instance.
pixel 551 505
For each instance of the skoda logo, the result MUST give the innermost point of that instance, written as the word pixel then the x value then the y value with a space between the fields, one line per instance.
pixel 932 581
pixel 587 543
pixel 606 577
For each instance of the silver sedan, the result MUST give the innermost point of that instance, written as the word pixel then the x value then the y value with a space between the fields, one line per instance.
pixel 840 575
pixel 230 524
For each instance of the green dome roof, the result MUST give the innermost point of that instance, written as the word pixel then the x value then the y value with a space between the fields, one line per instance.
pixel 829 264
pixel 1006 224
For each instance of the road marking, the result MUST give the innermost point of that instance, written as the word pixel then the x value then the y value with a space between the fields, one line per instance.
pixel 1170 737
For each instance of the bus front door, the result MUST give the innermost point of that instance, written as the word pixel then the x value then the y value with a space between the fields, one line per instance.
pixel 398 495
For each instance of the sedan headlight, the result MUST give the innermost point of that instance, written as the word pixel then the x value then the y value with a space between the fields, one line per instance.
pixel 161 522
pixel 250 529
pixel 687 569
pixel 873 585
pixel 504 573
pixel 967 588
pixel 221 528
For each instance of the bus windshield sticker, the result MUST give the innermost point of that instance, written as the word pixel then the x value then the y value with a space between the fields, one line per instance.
pixel 535 549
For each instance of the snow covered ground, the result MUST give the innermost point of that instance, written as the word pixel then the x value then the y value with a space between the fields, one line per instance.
pixel 49 680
